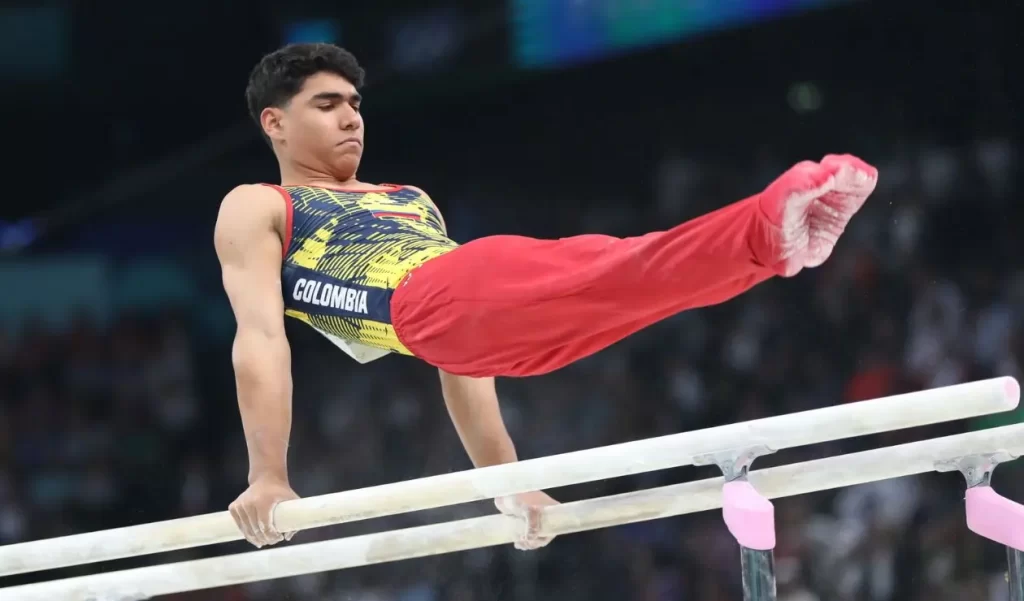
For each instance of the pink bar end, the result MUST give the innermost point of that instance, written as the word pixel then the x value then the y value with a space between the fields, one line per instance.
pixel 1012 389
pixel 995 517
pixel 749 516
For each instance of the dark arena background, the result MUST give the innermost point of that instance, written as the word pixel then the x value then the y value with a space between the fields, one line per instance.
pixel 126 125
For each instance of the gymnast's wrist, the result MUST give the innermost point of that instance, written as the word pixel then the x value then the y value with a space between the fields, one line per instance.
pixel 496 453
pixel 268 473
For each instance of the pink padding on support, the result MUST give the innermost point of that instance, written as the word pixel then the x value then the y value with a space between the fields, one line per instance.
pixel 995 517
pixel 749 516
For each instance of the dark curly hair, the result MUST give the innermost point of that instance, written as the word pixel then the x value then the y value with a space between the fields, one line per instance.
pixel 279 75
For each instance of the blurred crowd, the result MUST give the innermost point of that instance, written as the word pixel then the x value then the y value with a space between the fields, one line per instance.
pixel 136 421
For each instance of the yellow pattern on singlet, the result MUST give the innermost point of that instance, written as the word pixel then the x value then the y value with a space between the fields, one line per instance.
pixel 347 253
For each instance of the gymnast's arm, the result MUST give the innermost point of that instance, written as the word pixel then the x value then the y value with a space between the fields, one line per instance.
pixel 473 406
pixel 249 248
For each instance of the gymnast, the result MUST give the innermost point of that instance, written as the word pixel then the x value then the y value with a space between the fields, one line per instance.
pixel 371 267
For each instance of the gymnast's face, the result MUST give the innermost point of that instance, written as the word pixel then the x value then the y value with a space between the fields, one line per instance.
pixel 321 128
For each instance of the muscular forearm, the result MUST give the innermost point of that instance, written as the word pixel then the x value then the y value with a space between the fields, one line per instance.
pixel 263 379
pixel 473 406
pixel 487 445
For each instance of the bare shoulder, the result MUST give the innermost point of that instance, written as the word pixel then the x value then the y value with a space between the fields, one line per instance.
pixel 249 200
pixel 247 213
pixel 253 206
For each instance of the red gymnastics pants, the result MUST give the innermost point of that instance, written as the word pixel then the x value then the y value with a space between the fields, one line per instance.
pixel 517 306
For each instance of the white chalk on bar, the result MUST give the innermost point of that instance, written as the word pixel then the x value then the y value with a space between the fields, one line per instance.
pixel 447 537
pixel 779 432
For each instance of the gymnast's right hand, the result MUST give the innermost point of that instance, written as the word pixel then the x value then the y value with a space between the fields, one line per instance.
pixel 253 510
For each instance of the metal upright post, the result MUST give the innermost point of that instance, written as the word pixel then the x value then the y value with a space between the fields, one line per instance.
pixel 1015 573
pixel 758 569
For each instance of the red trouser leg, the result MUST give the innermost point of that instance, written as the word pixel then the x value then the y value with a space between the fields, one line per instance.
pixel 515 306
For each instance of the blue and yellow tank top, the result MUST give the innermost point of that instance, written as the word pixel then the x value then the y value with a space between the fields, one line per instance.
pixel 346 253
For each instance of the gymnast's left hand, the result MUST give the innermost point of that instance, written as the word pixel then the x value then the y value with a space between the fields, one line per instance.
pixel 530 507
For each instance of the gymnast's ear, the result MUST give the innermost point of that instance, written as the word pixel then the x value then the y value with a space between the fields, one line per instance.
pixel 271 123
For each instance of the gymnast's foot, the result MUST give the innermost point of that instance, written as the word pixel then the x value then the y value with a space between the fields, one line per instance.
pixel 810 205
